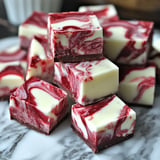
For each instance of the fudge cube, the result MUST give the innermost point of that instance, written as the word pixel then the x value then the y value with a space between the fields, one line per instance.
pixel 40 60
pixel 38 105
pixel 137 85
pixel 154 57
pixel 103 124
pixel 74 36
pixel 89 81
pixel 11 77
pixel 104 13
pixel 128 42
pixel 36 24
pixel 12 53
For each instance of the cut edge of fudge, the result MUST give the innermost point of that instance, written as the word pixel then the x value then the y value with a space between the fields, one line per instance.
pixel 109 141
pixel 40 120
pixel 83 41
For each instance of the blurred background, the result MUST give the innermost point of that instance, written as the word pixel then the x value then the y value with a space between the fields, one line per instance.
pixel 14 12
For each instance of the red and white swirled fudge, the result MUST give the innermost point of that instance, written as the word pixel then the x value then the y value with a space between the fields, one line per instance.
pixel 12 53
pixel 40 60
pixel 75 36
pixel 38 105
pixel 104 13
pixel 137 85
pixel 89 81
pixel 128 42
pixel 103 124
pixel 36 24
pixel 11 77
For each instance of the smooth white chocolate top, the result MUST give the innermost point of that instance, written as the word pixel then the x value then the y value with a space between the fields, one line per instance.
pixel 92 68
pixel 73 21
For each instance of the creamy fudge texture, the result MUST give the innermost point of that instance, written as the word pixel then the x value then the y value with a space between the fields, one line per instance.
pixel 40 60
pixel 104 13
pixel 104 123
pixel 39 105
pixel 87 82
pixel 11 77
pixel 137 85
pixel 128 42
pixel 75 36
pixel 36 24
pixel 12 53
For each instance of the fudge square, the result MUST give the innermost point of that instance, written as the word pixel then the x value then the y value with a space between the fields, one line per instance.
pixel 38 105
pixel 12 53
pixel 137 85
pixel 40 60
pixel 75 36
pixel 104 13
pixel 103 124
pixel 36 24
pixel 128 42
pixel 11 77
pixel 89 81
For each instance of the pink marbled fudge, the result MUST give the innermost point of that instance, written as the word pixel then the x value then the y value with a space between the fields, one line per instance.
pixel 75 36
pixel 128 42
pixel 13 53
pixel 89 81
pixel 104 13
pixel 104 123
pixel 137 85
pixel 39 105
pixel 12 69
pixel 11 77
pixel 40 60
pixel 35 25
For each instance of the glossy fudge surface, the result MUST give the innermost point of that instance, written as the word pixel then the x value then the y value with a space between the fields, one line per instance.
pixel 87 82
pixel 104 123
pixel 137 85
pixel 75 36
pixel 39 105
pixel 40 60
pixel 36 24
pixel 11 77
pixel 104 13
pixel 12 53
pixel 128 42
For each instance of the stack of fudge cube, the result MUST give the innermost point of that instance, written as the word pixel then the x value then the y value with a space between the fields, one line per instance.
pixel 92 56
pixel 129 45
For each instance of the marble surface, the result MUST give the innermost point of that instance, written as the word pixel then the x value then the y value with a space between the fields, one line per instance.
pixel 20 143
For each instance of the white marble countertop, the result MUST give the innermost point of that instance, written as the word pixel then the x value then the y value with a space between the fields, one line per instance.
pixel 19 143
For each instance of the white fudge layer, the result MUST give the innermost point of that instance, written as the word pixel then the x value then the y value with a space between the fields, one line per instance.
pixel 104 119
pixel 140 84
